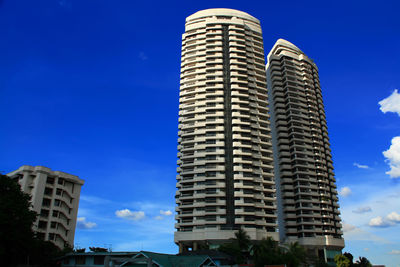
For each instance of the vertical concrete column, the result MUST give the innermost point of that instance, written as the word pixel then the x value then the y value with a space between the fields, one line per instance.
pixel 25 181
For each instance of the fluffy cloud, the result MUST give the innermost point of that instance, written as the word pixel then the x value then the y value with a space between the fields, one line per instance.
pixel 378 222
pixel 345 191
pixel 166 212
pixel 360 166
pixel 391 103
pixel 130 215
pixel 392 156
pixel 361 210
pixel 395 252
pixel 390 220
pixel 394 217
pixel 159 218
pixel 81 223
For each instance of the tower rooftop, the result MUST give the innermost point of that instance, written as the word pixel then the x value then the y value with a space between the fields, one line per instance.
pixel 221 12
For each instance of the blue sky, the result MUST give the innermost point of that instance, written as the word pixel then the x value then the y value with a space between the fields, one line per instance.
pixel 91 87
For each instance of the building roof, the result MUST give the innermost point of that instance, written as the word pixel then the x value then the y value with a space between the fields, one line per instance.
pixel 105 253
pixel 163 260
pixel 168 260
pixel 221 12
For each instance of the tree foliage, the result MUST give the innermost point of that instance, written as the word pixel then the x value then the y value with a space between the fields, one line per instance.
pixel 16 220
pixel 264 252
pixel 239 247
pixel 98 249
pixel 267 251
pixel 18 244
pixel 350 257
pixel 363 262
pixel 341 261
pixel 295 255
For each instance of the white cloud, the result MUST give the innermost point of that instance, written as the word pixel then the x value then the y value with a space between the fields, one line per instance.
pixel 360 166
pixel 166 212
pixel 130 215
pixel 361 210
pixel 392 155
pixel 391 219
pixel 391 103
pixel 345 191
pixel 394 217
pixel 378 222
pixel 81 223
pixel 159 218
pixel 395 252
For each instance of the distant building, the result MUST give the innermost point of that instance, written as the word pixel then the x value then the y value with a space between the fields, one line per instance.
pixel 55 197
pixel 308 209
pixel 133 259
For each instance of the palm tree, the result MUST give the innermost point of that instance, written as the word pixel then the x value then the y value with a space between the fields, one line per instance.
pixel 267 252
pixel 295 255
pixel 242 239
pixel 239 247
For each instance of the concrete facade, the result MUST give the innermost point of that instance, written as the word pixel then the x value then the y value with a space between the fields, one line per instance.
pixel 307 196
pixel 225 175
pixel 55 197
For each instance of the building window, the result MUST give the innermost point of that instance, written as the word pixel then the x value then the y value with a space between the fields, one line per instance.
pixel 44 213
pixel 48 191
pixel 59 191
pixel 98 260
pixel 80 259
pixel 46 202
pixel 50 180
pixel 42 225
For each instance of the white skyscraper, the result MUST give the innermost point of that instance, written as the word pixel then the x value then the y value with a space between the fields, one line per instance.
pixel 225 163
pixel 306 191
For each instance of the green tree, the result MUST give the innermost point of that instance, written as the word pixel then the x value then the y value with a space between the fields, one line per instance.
pixel 320 263
pixel 267 252
pixel 363 262
pixel 98 249
pixel 350 257
pixel 44 253
pixel 18 244
pixel 239 247
pixel 16 220
pixel 295 255
pixel 341 261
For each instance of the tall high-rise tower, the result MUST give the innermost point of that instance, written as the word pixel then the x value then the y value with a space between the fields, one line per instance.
pixel 306 191
pixel 225 173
